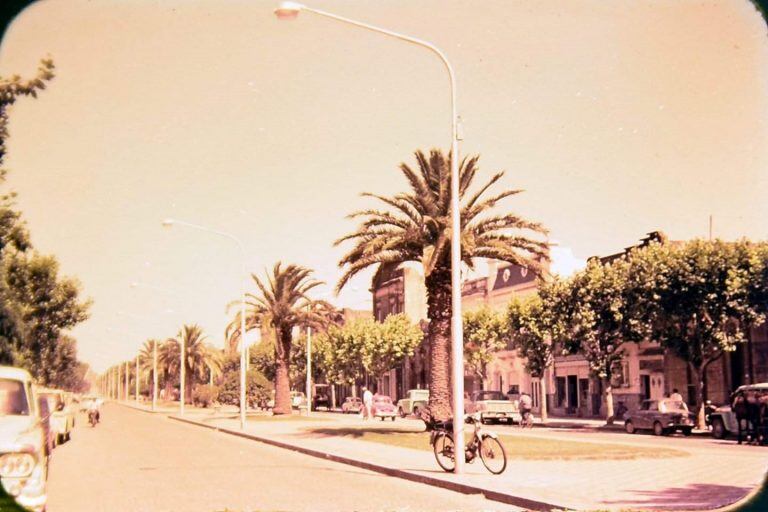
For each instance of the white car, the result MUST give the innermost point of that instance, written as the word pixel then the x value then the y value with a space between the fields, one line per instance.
pixel 298 399
pixel 23 464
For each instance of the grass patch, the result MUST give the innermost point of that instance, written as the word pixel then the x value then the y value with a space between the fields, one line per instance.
pixel 270 417
pixel 517 446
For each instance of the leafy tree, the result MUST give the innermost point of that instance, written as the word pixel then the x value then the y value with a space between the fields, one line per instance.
pixel 49 304
pixel 702 300
pixel 263 359
pixel 532 328
pixel 258 388
pixel 282 304
pixel 365 347
pixel 485 333
pixel 600 310
pixel 416 226
pixel 168 364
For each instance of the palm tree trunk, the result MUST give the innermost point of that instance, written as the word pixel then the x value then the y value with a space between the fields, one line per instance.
pixel 282 376
pixel 438 285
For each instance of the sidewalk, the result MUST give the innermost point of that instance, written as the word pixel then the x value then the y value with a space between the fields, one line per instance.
pixel 709 479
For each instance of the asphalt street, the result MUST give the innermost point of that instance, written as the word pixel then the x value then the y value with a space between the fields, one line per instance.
pixel 135 461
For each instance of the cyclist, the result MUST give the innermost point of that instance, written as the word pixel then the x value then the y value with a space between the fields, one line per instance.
pixel 525 409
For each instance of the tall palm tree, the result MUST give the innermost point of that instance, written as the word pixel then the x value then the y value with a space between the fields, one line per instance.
pixel 146 364
pixel 416 226
pixel 281 304
pixel 198 357
pixel 168 364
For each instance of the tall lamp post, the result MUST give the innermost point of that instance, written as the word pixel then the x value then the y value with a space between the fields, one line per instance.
pixel 171 222
pixel 291 10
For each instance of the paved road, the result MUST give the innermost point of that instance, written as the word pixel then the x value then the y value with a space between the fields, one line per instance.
pixel 134 461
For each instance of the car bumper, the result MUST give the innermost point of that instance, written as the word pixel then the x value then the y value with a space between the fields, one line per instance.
pixel 385 414
pixel 501 416
pixel 28 492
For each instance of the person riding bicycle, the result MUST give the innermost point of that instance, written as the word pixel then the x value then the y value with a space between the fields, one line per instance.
pixel 526 404
pixel 93 408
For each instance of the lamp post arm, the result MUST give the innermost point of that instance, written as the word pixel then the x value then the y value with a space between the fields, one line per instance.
pixel 420 42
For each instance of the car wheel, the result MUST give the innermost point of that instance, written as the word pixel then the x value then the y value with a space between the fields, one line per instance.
pixel 629 427
pixel 401 412
pixel 718 429
pixel 687 432
pixel 393 418
pixel 658 430
pixel 382 418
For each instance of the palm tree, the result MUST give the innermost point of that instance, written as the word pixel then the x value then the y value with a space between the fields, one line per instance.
pixel 281 304
pixel 168 364
pixel 416 226
pixel 199 357
pixel 146 365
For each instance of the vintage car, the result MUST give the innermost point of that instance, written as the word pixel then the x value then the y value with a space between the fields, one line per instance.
pixel 62 414
pixel 415 400
pixel 383 408
pixel 298 399
pixel 493 406
pixel 45 419
pixel 351 405
pixel 23 463
pixel 660 416
pixel 322 397
pixel 723 419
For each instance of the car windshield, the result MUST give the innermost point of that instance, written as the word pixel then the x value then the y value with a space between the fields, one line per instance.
pixel 424 393
pixel 674 406
pixel 382 399
pixel 13 398
pixel 490 395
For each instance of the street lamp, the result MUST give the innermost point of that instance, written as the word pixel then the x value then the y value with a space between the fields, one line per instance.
pixel 175 222
pixel 290 11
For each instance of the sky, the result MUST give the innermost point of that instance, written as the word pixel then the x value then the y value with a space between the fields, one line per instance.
pixel 616 118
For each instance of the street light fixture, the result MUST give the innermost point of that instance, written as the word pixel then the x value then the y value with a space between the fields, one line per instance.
pixel 290 11
pixel 168 222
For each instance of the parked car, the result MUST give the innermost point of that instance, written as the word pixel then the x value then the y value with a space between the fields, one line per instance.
pixel 62 415
pixel 415 400
pixel 383 408
pixel 45 418
pixel 351 405
pixel 723 419
pixel 661 416
pixel 23 464
pixel 493 406
pixel 322 397
pixel 298 399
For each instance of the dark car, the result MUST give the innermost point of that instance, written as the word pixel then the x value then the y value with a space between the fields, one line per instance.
pixel 321 399
pixel 662 417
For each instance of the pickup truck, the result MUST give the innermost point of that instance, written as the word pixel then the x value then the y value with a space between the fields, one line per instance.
pixel 414 401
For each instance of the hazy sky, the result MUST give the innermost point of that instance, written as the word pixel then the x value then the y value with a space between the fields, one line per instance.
pixel 617 118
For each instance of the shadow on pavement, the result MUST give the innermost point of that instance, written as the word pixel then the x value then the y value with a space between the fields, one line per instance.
pixel 690 497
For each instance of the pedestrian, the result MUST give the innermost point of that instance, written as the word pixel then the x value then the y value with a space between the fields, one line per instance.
pixel 367 403
pixel 676 395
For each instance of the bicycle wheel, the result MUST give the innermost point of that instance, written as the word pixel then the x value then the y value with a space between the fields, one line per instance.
pixel 444 452
pixel 493 455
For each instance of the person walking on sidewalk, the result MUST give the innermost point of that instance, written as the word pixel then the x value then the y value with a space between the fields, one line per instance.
pixel 367 403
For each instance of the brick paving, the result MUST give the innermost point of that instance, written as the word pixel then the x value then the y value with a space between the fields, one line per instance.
pixel 709 477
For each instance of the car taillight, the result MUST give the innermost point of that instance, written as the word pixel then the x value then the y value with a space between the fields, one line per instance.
pixel 16 465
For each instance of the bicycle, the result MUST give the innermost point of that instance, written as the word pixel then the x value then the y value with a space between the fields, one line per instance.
pixel 484 443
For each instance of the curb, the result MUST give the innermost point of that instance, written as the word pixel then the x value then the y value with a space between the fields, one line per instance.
pixel 397 473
